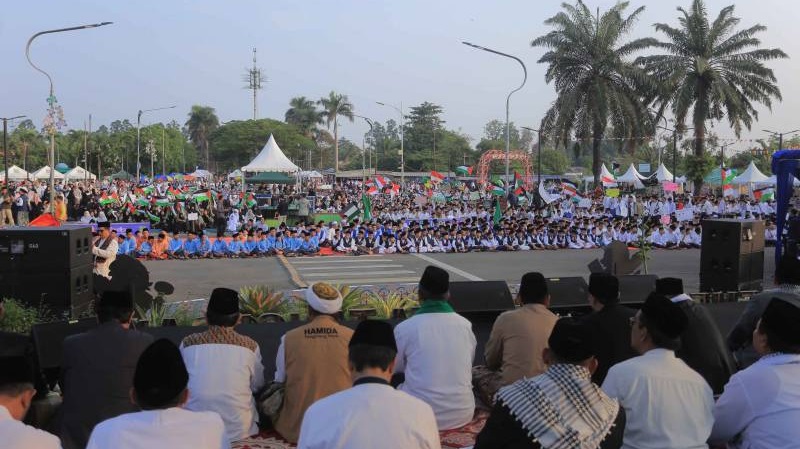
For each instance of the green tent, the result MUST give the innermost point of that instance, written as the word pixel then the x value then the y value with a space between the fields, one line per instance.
pixel 122 174
pixel 270 177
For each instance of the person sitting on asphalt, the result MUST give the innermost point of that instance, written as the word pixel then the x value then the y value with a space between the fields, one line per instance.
pixel 760 407
pixel 16 394
pixel 559 408
pixel 517 340
pixel 145 248
pixel 312 359
pixel 667 404
pixel 370 414
pixel 235 247
pixel 175 248
pixel 159 248
pixel 219 249
pixel 435 350
pixel 159 390
pixel 222 356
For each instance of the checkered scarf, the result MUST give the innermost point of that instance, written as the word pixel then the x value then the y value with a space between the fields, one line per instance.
pixel 562 408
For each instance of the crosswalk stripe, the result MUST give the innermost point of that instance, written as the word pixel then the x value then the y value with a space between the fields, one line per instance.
pixel 371 282
pixel 324 261
pixel 305 269
pixel 345 274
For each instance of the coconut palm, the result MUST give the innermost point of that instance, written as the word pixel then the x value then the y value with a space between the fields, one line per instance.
pixel 714 70
pixel 332 107
pixel 596 85
pixel 303 114
pixel 201 123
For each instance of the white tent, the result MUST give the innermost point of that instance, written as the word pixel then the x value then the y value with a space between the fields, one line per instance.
pixel 200 173
pixel 751 175
pixel 662 174
pixel 14 174
pixel 604 173
pixel 313 174
pixel 235 174
pixel 78 173
pixel 271 159
pixel 631 176
pixel 44 173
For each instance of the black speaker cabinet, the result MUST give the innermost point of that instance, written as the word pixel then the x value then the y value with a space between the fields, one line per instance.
pixel 732 236
pixel 45 249
pixel 480 296
pixel 65 293
pixel 732 255
pixel 636 288
pixel 568 291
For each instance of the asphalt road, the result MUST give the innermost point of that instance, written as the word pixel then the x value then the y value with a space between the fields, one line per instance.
pixel 195 279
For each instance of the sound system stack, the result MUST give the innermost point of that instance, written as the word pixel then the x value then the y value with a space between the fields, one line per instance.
pixel 732 255
pixel 481 298
pixel 49 267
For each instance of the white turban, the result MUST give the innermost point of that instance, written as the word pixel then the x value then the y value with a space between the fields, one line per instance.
pixel 324 305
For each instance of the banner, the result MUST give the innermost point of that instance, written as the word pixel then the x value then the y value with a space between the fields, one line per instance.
pixel 585 203
pixel 612 193
pixel 665 219
pixel 670 186
pixel 121 227
pixel 684 214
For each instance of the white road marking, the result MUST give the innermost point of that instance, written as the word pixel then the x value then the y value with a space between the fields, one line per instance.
pixel 372 281
pixel 325 261
pixel 311 275
pixel 447 267
pixel 317 268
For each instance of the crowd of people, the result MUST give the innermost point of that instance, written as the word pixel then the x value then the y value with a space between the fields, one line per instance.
pixel 660 376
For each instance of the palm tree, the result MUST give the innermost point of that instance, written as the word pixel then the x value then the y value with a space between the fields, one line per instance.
pixel 597 86
pixel 202 122
pixel 332 107
pixel 303 114
pixel 714 70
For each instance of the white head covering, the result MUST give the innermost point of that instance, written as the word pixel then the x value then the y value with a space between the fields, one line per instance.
pixel 327 304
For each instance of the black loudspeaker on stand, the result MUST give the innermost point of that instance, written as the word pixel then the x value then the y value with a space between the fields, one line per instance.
pixel 732 255
pixel 50 267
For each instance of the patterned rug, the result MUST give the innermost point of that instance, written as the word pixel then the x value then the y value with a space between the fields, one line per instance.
pixel 460 438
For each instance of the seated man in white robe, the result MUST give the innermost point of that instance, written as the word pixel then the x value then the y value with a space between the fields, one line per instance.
pixel 435 350
pixel 372 413
pixel 16 394
pixel 159 389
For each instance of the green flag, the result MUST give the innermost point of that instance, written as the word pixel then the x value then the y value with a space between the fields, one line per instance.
pixel 367 206
pixel 498 214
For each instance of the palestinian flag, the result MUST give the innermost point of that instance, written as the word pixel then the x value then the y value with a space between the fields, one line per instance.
pixel 151 217
pixel 142 202
pixel 608 182
pixel 106 200
pixel 463 170
pixel 569 188
pixel 436 177
pixel 201 196
pixel 518 190
pixel 176 193
pixel 373 190
pixel 395 189
pixel 161 201
pixel 498 214
pixel 727 177
pixel 351 212
pixel 250 201
pixel 498 190
pixel 764 194
pixel 380 182
pixel 367 207
pixel 148 190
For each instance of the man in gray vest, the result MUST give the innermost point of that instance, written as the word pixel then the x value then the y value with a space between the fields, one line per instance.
pixel 105 250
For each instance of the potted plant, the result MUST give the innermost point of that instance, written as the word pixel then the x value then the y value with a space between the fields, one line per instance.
pixel 258 300
pixel 18 317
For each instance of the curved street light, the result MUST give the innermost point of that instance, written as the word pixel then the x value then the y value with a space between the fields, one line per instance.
pixel 402 139
pixel 139 135
pixel 51 99
pixel 508 99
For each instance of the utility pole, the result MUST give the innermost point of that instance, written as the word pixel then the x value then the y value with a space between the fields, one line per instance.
pixel 253 78
pixel 163 150
pixel 5 143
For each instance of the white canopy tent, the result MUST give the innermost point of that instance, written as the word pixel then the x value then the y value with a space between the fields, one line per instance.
pixel 14 174
pixel 78 173
pixel 235 174
pixel 271 159
pixel 662 174
pixel 44 173
pixel 751 175
pixel 200 173
pixel 632 177
pixel 605 173
pixel 313 174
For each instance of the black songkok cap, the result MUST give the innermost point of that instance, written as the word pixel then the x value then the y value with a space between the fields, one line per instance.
pixel 571 340
pixel 782 318
pixel 160 374
pixel 669 286
pixel 224 301
pixel 374 333
pixel 664 315
pixel 435 280
pixel 604 287
pixel 15 370
pixel 116 299
pixel 104 224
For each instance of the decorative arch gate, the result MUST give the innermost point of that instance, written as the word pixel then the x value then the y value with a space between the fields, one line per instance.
pixel 500 155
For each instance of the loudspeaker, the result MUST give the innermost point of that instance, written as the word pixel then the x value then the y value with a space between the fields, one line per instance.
pixel 45 249
pixel 48 339
pixel 480 296
pixel 568 291
pixel 65 293
pixel 732 236
pixel 636 288
pixel 728 273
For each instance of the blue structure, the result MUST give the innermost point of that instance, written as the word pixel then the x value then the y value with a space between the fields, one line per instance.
pixel 785 166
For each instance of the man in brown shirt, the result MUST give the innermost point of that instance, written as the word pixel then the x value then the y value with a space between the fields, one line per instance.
pixel 518 338
pixel 312 359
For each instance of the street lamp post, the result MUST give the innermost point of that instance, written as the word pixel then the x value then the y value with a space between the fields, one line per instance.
pixel 508 100
pixel 5 143
pixel 780 136
pixel 139 135
pixel 402 139
pixel 53 124
pixel 538 150
pixel 364 148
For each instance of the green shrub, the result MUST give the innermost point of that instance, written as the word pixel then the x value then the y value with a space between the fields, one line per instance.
pixel 19 317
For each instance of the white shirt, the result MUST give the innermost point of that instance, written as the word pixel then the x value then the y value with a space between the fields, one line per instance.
pixel 160 429
pixel 368 416
pixel 222 379
pixel 18 435
pixel 763 404
pixel 667 404
pixel 435 351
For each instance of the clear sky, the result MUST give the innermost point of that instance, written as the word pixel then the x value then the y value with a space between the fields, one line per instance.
pixel 184 52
